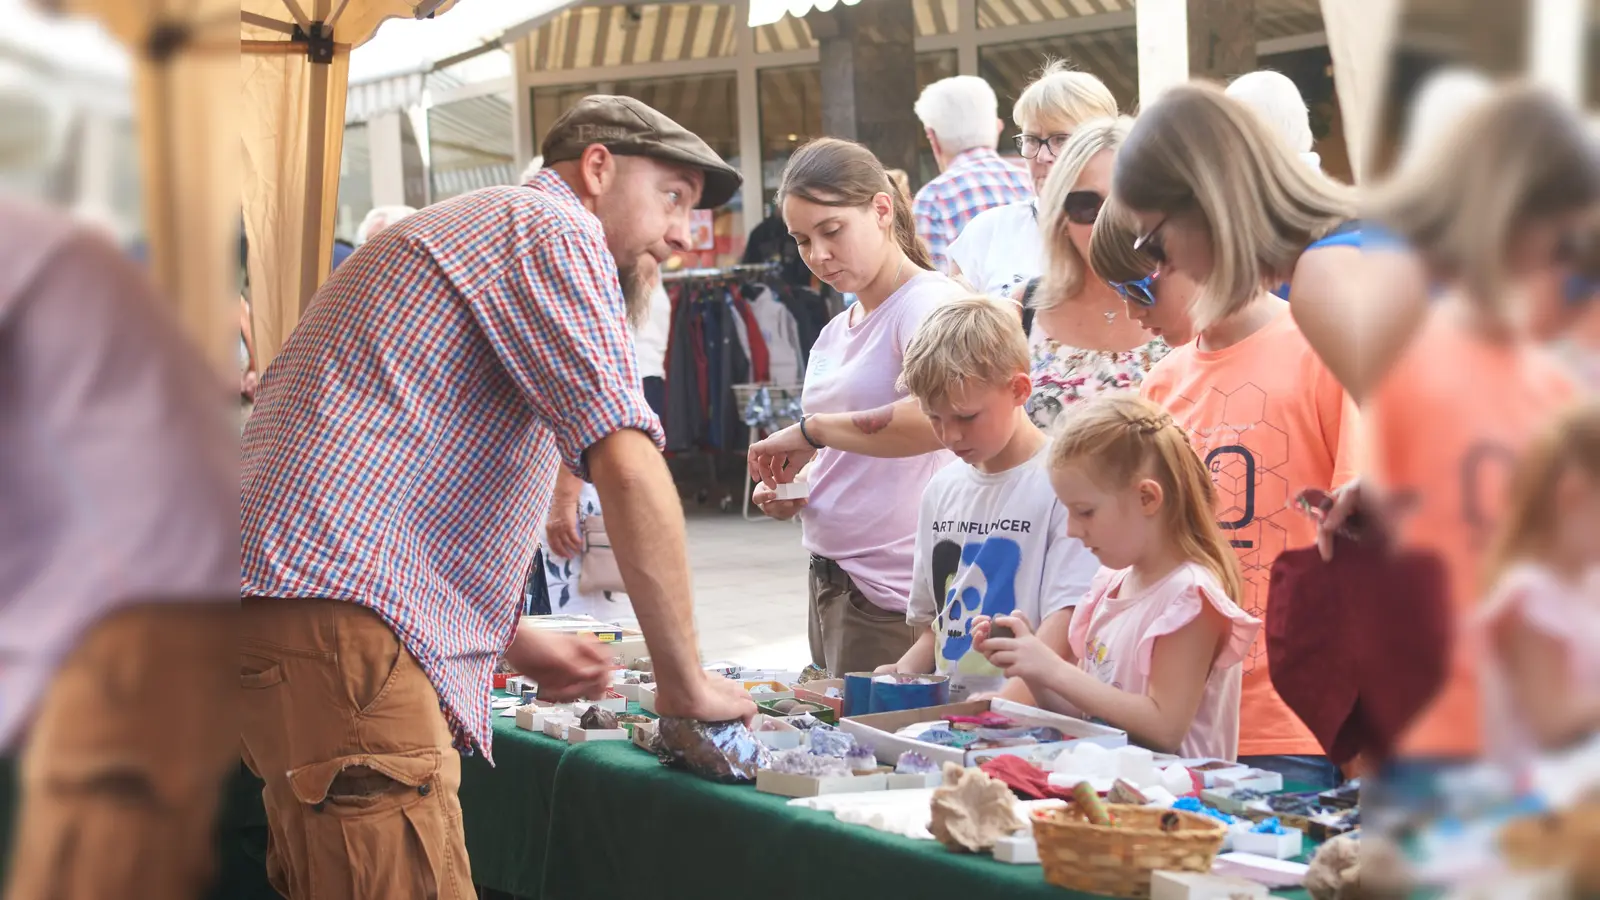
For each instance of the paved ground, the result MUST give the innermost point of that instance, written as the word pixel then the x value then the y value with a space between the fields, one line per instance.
pixel 750 590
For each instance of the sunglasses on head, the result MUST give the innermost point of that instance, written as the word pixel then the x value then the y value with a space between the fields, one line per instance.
pixel 1150 242
pixel 1083 207
pixel 1138 292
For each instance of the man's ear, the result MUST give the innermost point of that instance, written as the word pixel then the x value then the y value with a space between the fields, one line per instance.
pixel 1151 497
pixel 597 168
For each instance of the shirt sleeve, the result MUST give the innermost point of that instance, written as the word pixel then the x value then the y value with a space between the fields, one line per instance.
pixel 557 322
pixel 967 252
pixel 1069 567
pixel 921 606
pixel 931 228
pixel 1341 427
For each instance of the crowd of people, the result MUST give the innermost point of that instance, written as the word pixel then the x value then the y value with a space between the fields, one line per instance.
pixel 1189 352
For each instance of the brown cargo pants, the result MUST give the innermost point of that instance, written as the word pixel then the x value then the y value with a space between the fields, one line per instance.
pixel 122 768
pixel 848 632
pixel 346 731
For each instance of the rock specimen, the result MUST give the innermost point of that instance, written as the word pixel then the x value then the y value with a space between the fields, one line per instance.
pixel 801 761
pixel 720 751
pixel 827 741
pixel 913 763
pixel 596 719
pixel 972 811
pixel 860 759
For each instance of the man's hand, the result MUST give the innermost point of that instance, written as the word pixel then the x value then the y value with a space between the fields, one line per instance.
pixel 561 533
pixel 1023 656
pixel 783 510
pixel 711 699
pixel 567 667
pixel 779 457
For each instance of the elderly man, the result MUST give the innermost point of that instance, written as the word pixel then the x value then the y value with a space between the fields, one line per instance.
pixel 425 399
pixel 962 119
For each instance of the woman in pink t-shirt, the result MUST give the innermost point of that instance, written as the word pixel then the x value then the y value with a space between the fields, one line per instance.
pixel 1160 641
pixel 856 233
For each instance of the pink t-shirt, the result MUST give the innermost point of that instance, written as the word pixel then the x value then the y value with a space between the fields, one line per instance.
pixel 1114 635
pixel 862 512
pixel 1565 611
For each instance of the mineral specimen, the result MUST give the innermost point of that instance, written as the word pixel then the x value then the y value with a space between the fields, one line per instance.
pixel 720 751
pixel 827 741
pixel 1126 794
pixel 972 810
pixel 784 706
pixel 812 673
pixel 913 763
pixel 632 719
pixel 806 723
pixel 762 689
pixel 801 761
pixel 860 759
pixel 596 719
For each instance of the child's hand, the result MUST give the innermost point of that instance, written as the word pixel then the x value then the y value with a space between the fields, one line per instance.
pixel 1023 656
pixel 887 669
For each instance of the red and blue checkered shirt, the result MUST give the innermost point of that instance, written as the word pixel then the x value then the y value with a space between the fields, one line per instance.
pixel 976 180
pixel 404 442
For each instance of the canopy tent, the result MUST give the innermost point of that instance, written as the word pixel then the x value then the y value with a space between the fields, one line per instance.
pixel 1361 41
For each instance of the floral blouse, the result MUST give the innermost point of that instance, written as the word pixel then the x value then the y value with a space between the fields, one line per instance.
pixel 1064 375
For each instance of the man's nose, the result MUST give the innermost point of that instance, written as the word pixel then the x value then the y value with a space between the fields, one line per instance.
pixel 678 233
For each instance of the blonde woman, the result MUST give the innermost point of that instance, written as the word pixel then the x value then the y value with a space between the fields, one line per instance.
pixel 1081 338
pixel 1002 248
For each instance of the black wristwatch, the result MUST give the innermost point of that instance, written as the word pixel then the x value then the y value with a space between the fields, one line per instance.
pixel 807 435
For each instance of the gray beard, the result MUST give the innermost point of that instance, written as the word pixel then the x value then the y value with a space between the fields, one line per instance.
pixel 638 283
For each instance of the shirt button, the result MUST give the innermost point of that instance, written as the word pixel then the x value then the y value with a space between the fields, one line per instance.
pixel 425 789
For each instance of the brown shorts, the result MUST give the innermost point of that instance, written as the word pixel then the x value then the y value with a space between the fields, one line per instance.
pixel 346 731
pixel 850 633
pixel 123 767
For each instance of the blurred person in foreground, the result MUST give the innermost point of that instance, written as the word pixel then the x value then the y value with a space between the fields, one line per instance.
pixel 396 468
pixel 117 574
pixel 961 117
pixel 1486 219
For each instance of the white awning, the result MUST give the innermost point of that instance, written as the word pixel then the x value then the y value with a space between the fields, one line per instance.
pixel 765 12
pixel 404 47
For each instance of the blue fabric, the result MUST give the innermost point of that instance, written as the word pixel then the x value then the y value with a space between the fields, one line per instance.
pixel 341 252
pixel 1354 233
pixel 1315 771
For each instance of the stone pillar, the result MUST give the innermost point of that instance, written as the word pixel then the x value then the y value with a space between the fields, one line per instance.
pixel 1222 38
pixel 867 54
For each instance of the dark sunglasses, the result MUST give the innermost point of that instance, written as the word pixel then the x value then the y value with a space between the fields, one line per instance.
pixel 1150 242
pixel 1082 207
pixel 1029 144
pixel 1138 292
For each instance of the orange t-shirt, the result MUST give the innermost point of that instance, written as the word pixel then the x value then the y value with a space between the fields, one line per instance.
pixel 1448 425
pixel 1269 420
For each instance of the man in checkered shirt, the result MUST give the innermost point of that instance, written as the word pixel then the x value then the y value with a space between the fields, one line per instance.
pixel 399 458
pixel 962 119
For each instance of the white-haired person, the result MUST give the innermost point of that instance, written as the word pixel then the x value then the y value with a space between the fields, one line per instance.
pixel 962 120
pixel 1274 97
pixel 380 218
pixel 1001 250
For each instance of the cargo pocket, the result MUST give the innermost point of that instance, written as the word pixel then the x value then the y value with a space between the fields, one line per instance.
pixel 863 608
pixel 376 827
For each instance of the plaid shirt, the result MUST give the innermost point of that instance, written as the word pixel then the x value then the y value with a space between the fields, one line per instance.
pixel 976 180
pixel 404 442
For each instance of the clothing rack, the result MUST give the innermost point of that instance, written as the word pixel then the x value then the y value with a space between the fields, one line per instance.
pixel 746 270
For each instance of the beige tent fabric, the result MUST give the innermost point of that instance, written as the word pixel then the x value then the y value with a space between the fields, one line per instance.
pixel 1361 37
pixel 187 118
pixel 292 129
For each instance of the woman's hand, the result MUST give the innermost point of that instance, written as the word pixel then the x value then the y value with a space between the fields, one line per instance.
pixel 1023 656
pixel 1359 512
pixel 561 534
pixel 779 457
pixel 766 498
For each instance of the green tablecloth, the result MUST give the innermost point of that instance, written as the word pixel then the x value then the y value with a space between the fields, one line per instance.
pixel 611 821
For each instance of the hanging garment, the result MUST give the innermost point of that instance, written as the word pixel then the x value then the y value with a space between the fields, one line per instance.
pixel 755 343
pixel 683 392
pixel 785 358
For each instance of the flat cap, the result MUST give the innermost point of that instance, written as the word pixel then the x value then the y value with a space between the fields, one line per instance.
pixel 628 127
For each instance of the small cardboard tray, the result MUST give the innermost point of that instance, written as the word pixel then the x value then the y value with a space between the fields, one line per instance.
pixel 877 732
pixel 787 785
pixel 782 736
pixel 576 735
pixel 643 734
pixel 647 697
pixel 558 727
pixel 778 691
pixel 917 783
pixel 813 692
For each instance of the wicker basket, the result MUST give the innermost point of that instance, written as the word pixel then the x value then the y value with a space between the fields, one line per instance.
pixel 1116 860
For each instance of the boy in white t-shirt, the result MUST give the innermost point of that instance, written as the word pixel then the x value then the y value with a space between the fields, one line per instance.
pixel 991 537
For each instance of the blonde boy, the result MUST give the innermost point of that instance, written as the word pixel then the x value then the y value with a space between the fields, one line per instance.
pixel 991 536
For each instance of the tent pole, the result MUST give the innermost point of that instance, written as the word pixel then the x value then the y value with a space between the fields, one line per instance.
pixel 267 22
pixel 316 150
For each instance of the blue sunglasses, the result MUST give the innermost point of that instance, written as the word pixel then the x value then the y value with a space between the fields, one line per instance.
pixel 1137 291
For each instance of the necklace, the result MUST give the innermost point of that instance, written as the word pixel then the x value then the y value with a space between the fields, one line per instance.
pixel 1111 317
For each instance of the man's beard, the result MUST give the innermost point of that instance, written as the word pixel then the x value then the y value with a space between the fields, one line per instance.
pixel 638 280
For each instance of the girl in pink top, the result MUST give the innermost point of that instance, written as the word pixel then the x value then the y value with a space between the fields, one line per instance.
pixel 1542 620
pixel 1160 640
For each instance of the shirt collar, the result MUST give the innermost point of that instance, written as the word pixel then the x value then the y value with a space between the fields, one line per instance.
pixel 550 182
pixel 973 155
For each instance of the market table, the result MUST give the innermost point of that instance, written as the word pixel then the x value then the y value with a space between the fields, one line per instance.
pixel 606 820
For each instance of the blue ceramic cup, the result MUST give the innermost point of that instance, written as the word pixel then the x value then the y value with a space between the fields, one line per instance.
pixel 894 693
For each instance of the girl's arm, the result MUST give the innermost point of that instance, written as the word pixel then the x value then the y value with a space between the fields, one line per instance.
pixel 1160 718
pixel 1053 633
pixel 918 659
pixel 1537 667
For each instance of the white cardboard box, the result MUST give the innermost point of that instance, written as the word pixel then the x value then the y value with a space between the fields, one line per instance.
pixel 647 697
pixel 533 718
pixel 787 785
pixel 794 490
pixel 877 732
pixel 1288 845
pixel 1199 886
pixel 557 727
pixel 1250 779
pixel 1274 873
pixel 643 734
pixel 915 782
pixel 781 736
pixel 1017 849
pixel 576 735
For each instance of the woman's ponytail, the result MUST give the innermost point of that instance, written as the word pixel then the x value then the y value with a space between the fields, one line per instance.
pixel 905 226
